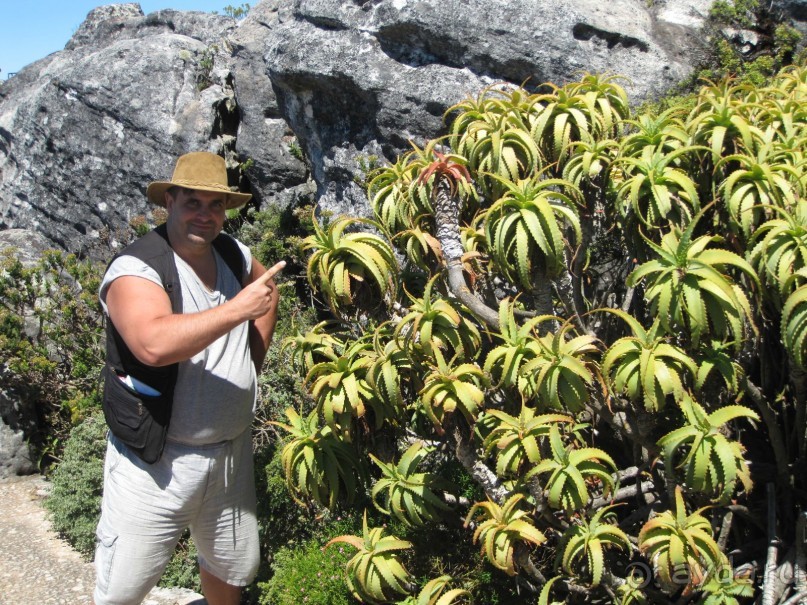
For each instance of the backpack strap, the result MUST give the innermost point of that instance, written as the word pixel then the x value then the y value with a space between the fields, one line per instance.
pixel 230 252
pixel 154 250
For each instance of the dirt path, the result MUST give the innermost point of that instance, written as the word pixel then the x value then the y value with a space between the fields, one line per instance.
pixel 38 568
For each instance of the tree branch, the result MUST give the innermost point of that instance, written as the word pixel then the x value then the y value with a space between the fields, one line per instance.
pixel 645 488
pixel 458 287
pixel 466 454
pixel 774 433
pixel 769 582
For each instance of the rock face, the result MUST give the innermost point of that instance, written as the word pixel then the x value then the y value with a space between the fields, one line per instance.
pixel 17 421
pixel 363 77
pixel 83 130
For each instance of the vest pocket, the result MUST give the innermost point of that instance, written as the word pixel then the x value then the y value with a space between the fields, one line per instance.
pixel 140 421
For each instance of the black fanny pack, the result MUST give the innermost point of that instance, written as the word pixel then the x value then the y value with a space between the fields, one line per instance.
pixel 138 420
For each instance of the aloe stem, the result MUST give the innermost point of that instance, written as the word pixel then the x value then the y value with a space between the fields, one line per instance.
pixel 486 478
pixel 769 418
pixel 447 218
pixel 769 582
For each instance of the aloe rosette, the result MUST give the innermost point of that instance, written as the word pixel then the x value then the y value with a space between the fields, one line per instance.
pixel 676 542
pixel 713 464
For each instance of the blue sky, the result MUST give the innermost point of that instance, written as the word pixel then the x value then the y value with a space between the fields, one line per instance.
pixel 32 30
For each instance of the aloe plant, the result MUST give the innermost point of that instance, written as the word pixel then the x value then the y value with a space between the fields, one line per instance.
pixel 589 160
pixel 714 358
pixel 452 387
pixel 655 192
pixel 517 440
pixel 389 193
pixel 421 247
pixel 345 264
pixel 794 325
pixel 341 390
pixel 720 120
pixel 502 151
pixel 501 529
pixel 320 343
pixel 631 593
pixel 546 593
pixel 675 542
pixel 646 366
pixel 663 133
pixel 756 183
pixel 525 228
pixel 713 464
pixel 433 594
pixel 719 590
pixel 436 323
pixel 687 286
pixel 569 468
pixel 561 374
pixel 391 370
pixel 561 117
pixel 316 464
pixel 780 250
pixel 505 362
pixel 408 495
pixel 584 543
pixel 709 321
pixel 606 100
pixel 375 573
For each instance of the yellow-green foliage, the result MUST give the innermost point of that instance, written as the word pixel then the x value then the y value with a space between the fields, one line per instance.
pixel 694 218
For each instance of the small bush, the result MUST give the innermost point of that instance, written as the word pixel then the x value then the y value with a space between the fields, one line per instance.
pixel 74 504
pixel 182 570
pixel 308 574
pixel 51 340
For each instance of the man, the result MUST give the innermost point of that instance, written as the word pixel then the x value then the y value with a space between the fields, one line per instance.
pixel 202 478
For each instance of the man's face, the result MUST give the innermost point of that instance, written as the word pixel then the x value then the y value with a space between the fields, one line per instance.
pixel 196 216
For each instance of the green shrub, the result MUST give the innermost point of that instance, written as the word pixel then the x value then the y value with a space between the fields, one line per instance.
pixel 56 365
pixel 74 504
pixel 308 574
pixel 182 570
pixel 777 46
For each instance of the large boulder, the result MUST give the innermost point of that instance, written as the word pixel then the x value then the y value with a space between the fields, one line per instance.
pixel 361 78
pixel 17 423
pixel 83 130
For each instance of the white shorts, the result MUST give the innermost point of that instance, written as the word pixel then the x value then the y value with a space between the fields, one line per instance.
pixel 146 507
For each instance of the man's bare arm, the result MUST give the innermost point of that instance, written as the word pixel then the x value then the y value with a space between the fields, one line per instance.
pixel 141 312
pixel 262 328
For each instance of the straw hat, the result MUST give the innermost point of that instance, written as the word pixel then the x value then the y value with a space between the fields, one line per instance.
pixel 198 170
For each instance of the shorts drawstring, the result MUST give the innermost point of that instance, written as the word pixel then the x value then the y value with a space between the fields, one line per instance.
pixel 229 464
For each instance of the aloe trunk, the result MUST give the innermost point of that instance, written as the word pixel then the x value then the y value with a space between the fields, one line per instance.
pixel 447 217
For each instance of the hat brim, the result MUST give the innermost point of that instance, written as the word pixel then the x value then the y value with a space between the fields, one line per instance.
pixel 155 193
